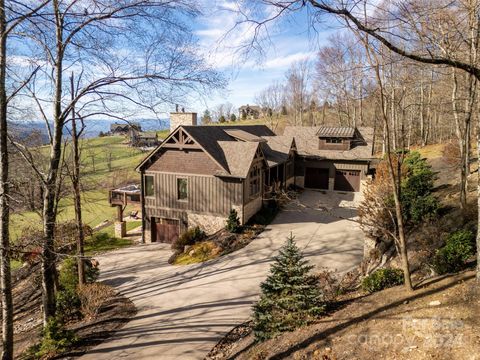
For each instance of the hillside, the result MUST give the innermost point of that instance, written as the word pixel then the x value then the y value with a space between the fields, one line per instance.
pixel 106 162
pixel 439 320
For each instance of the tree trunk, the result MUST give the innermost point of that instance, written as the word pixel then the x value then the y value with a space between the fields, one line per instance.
pixel 50 198
pixel 6 278
pixel 77 195
pixel 395 179
pixel 478 204
pixel 460 128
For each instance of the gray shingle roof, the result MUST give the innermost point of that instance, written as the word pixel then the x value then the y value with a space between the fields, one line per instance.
pixel 239 156
pixel 243 135
pixel 209 137
pixel 276 149
pixel 306 140
pixel 330 131
pixel 235 157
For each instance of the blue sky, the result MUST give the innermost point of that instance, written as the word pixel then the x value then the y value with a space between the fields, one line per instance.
pixel 290 39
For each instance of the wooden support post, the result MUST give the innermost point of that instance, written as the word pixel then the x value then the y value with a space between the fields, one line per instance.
pixel 119 213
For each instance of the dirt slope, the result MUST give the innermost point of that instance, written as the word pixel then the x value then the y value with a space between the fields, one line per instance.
pixel 440 320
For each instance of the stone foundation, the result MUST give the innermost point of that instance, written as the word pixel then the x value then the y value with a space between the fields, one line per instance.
pixel 120 229
pixel 208 223
pixel 147 236
pixel 251 208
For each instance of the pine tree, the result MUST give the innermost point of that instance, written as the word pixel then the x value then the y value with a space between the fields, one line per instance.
pixel 290 296
pixel 233 222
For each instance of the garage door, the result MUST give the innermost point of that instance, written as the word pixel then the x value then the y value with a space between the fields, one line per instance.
pixel 316 178
pixel 347 180
pixel 165 230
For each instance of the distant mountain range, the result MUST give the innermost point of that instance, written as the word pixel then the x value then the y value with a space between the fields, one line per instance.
pixel 23 129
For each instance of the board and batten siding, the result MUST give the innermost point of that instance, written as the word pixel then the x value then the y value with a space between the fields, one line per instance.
pixel 206 194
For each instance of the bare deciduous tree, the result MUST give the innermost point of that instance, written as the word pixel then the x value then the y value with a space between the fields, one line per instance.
pixel 162 67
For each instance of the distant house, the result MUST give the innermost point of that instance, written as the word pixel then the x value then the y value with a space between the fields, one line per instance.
pixel 124 128
pixel 250 111
pixel 199 173
pixel 143 139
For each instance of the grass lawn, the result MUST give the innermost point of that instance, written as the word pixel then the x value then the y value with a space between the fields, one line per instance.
pixel 102 242
pixel 114 163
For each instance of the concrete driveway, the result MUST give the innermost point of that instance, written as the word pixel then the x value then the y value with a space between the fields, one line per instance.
pixel 184 310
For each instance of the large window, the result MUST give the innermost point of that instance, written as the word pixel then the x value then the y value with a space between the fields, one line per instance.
pixel 255 173
pixel 182 189
pixel 149 185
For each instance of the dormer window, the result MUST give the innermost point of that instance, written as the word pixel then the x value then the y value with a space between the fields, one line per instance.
pixel 334 141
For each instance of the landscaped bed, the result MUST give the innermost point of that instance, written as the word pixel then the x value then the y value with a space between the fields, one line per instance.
pixel 195 246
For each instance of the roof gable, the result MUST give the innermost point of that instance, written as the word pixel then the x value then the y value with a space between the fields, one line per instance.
pixel 178 139
pixel 239 156
pixel 306 140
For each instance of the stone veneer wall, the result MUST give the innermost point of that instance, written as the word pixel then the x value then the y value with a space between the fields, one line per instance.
pixel 252 208
pixel 208 223
pixel 177 119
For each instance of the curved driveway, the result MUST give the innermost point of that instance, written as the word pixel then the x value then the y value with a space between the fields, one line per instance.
pixel 184 310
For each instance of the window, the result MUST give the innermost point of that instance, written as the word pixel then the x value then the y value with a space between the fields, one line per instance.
pixel 182 189
pixel 149 187
pixel 254 181
pixel 334 141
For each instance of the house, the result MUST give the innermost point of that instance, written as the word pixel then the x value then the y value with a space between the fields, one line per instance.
pixel 143 139
pixel 332 158
pixel 250 111
pixel 124 128
pixel 199 173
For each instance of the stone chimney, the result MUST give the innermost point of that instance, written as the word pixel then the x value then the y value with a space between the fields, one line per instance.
pixel 182 118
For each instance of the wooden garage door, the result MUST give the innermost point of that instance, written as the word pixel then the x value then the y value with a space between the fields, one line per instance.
pixel 316 178
pixel 347 180
pixel 165 230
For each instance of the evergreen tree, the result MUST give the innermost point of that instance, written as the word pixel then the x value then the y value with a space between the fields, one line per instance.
pixel 207 117
pixel 233 222
pixel 233 117
pixel 290 296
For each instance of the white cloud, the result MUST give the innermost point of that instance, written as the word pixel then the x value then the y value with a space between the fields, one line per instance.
pixel 286 61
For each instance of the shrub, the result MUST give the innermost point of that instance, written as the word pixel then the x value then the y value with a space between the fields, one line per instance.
pixel 459 247
pixel 330 285
pixel 417 184
pixel 68 302
pixel 68 305
pixel 233 222
pixel 189 237
pixel 55 340
pixel 93 297
pixel 68 276
pixel 290 296
pixel 418 202
pixel 382 279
